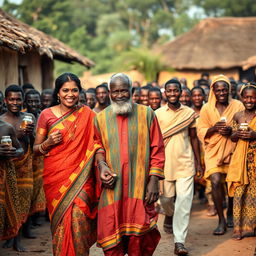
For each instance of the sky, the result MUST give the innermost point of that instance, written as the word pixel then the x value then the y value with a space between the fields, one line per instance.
pixel 12 1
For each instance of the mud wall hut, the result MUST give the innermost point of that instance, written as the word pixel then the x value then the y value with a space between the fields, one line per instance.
pixel 27 54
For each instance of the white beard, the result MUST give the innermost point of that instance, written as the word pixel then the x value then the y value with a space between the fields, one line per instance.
pixel 122 108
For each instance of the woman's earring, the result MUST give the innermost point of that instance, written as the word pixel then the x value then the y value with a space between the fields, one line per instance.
pixel 58 99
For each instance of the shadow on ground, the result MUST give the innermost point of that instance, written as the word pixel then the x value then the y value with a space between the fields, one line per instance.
pixel 200 240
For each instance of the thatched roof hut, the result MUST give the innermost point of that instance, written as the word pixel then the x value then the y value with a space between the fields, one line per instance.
pixel 20 37
pixel 213 43
pixel 216 45
pixel 26 54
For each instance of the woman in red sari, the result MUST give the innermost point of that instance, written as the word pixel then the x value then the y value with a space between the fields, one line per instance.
pixel 65 136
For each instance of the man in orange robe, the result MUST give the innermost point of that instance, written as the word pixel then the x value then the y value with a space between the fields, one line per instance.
pixel 214 131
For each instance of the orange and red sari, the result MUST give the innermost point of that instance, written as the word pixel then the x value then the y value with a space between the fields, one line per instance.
pixel 69 182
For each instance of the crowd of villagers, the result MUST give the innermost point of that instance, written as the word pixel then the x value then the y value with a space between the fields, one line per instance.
pixel 101 163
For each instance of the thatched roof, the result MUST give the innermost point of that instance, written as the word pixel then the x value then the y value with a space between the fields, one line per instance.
pixel 21 37
pixel 213 43
pixel 250 62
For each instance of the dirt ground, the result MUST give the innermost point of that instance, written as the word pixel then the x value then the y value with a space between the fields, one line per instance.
pixel 200 240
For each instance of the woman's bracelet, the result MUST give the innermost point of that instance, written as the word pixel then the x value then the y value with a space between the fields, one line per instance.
pixel 42 151
pixel 44 146
pixel 102 162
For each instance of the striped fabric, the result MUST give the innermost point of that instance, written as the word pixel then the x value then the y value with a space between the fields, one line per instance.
pixel 122 209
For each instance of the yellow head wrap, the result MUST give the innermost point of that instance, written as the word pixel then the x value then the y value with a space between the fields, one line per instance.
pixel 212 98
pixel 246 86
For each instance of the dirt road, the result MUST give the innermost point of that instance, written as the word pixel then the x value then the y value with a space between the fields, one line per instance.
pixel 200 240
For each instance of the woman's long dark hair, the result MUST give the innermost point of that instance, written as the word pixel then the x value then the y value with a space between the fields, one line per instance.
pixel 66 77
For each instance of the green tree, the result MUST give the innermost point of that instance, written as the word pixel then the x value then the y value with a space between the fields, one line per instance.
pixel 236 8
pixel 143 60
pixel 102 29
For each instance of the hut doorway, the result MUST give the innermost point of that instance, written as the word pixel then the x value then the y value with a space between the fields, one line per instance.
pixel 23 75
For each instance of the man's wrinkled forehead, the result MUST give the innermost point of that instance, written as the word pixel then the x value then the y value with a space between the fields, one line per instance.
pixel 220 83
pixel 120 78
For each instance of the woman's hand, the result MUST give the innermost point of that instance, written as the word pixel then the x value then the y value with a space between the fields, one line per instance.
pixel 248 134
pixel 53 139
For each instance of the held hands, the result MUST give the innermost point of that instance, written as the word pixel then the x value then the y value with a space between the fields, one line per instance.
pixel 152 192
pixel 107 177
pixel 54 139
pixel 7 151
pixel 223 129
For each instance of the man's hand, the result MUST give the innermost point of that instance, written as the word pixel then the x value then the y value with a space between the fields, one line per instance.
pixel 161 187
pixel 7 151
pixel 29 129
pixel 223 129
pixel 199 171
pixel 107 177
pixel 152 192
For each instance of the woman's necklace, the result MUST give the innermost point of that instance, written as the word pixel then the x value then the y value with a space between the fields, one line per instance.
pixel 70 131
pixel 249 117
pixel 61 113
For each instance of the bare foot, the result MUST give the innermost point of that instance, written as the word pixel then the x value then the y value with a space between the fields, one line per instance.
pixel 8 243
pixel 17 245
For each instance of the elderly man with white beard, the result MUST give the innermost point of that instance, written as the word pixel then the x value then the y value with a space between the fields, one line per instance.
pixel 129 170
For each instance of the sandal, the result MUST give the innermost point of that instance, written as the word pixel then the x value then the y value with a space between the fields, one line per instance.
pixel 180 249
pixel 219 231
pixel 237 235
pixel 168 229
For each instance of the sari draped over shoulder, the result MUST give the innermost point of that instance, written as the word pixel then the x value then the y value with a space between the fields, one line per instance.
pixel 237 173
pixel 68 178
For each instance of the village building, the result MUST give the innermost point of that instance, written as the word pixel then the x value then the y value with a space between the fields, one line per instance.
pixel 27 55
pixel 215 45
